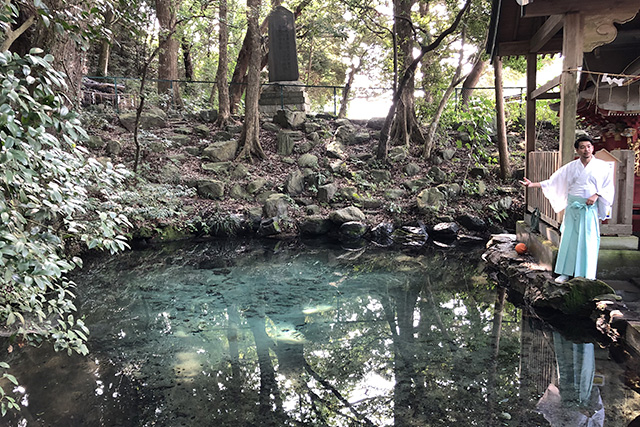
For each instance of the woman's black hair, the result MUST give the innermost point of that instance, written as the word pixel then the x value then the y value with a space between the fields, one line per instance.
pixel 581 138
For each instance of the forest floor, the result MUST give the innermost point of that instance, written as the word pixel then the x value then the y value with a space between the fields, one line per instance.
pixel 360 159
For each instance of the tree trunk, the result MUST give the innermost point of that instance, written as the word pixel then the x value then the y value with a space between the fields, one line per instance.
pixel 239 77
pixel 250 138
pixel 186 59
pixel 471 82
pixel 233 327
pixel 429 141
pixel 347 90
pixel 405 126
pixel 269 400
pixel 105 45
pixel 69 56
pixel 310 63
pixel 383 143
pixel 168 54
pixel 503 149
pixel 224 111
pixel 496 332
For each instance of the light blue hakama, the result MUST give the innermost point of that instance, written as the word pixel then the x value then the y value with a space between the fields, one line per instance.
pixel 580 240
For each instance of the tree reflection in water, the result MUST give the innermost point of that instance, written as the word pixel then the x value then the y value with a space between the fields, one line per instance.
pixel 237 334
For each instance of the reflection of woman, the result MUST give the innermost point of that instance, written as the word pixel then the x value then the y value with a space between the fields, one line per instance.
pixel 575 402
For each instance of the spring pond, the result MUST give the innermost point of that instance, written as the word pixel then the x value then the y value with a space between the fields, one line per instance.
pixel 288 334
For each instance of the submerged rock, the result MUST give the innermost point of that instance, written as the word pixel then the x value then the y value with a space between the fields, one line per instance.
pixel 411 236
pixel 269 227
pixel 352 230
pixel 381 234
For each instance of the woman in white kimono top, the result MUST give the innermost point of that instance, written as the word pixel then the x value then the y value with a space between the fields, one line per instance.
pixel 584 187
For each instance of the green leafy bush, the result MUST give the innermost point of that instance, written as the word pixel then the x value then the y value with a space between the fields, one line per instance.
pixel 51 195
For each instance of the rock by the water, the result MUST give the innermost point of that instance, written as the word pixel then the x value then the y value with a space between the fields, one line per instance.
pixel 269 227
pixel 410 236
pixel 381 234
pixel 445 231
pixel 472 222
pixel 315 225
pixel 352 230
pixel 347 214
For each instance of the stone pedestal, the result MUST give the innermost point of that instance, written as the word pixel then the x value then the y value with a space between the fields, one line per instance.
pixel 285 95
pixel 618 258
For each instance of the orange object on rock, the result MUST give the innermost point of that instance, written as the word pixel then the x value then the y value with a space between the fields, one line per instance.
pixel 521 248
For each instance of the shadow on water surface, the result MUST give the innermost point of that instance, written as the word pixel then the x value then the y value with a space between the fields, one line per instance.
pixel 266 334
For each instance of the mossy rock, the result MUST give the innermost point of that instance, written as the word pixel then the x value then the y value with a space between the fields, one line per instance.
pixel 581 292
pixel 164 234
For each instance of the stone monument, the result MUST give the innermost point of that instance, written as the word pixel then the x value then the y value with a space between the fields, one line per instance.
pixel 284 91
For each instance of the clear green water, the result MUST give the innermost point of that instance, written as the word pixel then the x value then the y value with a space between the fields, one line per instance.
pixel 268 334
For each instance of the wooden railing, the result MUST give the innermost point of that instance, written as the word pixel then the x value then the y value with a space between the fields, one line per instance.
pixel 541 164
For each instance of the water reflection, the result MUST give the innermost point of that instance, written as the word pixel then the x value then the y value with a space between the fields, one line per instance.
pixel 241 334
pixel 581 383
pixel 574 401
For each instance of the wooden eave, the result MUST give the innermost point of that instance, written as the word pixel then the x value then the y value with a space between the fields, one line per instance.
pixel 536 26
pixel 539 8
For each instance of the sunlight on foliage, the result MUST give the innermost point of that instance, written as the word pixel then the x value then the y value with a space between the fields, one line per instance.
pixel 52 195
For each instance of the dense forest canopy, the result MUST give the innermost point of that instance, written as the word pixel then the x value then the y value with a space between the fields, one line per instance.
pixel 337 41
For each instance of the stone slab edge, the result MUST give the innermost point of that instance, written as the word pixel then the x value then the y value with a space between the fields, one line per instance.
pixel 633 336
